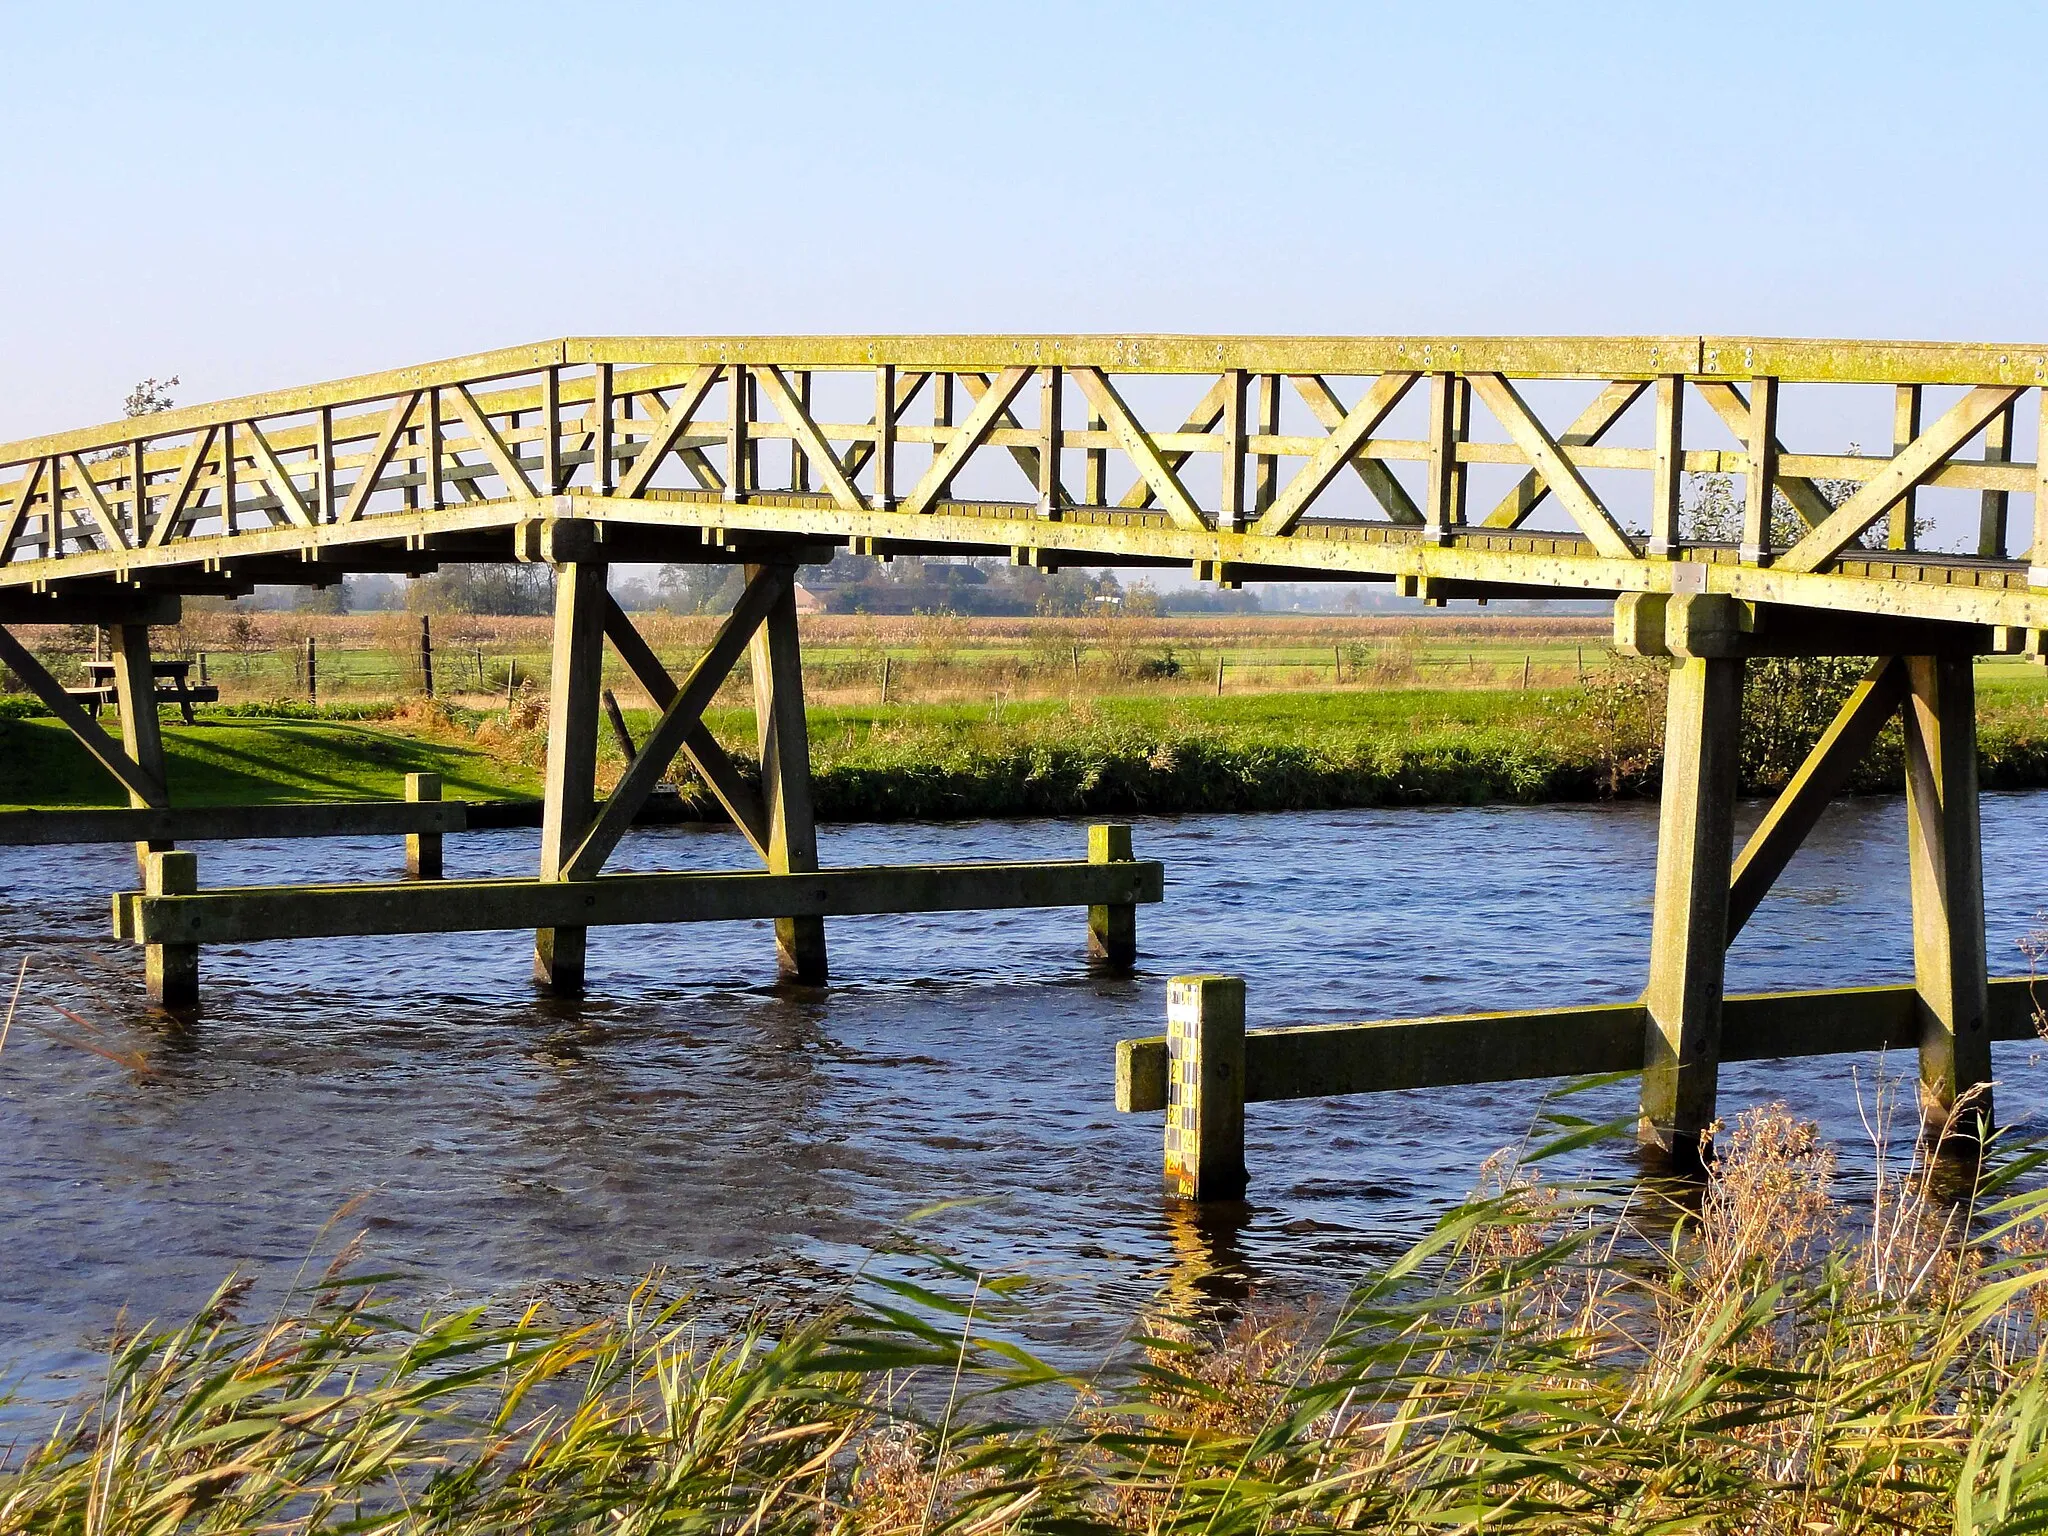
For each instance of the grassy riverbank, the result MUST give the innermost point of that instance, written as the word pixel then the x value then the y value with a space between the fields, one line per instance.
pixel 1074 756
pixel 1550 1359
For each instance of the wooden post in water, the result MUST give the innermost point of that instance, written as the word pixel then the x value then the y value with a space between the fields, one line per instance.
pixel 1689 933
pixel 777 666
pixel 1112 930
pixel 423 849
pixel 1946 853
pixel 1205 1087
pixel 172 970
pixel 571 786
pixel 142 736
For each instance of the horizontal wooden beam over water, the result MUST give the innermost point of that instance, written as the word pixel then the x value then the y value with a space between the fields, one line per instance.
pixel 246 914
pixel 1321 1060
pixel 228 823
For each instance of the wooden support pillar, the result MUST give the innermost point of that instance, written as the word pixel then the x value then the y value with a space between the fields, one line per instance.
pixel 1946 851
pixel 571 787
pixel 1688 937
pixel 1450 409
pixel 423 849
pixel 1760 485
pixel 172 969
pixel 1905 428
pixel 1205 1087
pixel 1667 470
pixel 142 736
pixel 1113 930
pixel 777 664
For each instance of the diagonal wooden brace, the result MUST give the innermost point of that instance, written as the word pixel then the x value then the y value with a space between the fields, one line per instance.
pixel 1587 428
pixel 684 711
pixel 1558 472
pixel 1807 794
pixel 699 747
pixel 145 786
pixel 1912 464
pixel 1732 406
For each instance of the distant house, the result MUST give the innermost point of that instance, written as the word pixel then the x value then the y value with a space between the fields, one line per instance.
pixel 808 601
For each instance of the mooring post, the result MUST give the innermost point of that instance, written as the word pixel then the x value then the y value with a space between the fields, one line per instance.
pixel 777 667
pixel 1112 930
pixel 172 970
pixel 1946 852
pixel 571 787
pixel 1205 1087
pixel 1689 932
pixel 423 849
pixel 142 736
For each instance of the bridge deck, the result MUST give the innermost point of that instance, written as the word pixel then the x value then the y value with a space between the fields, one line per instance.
pixel 1337 458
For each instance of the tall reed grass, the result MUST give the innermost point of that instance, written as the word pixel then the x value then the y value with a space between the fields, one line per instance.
pixel 1553 1357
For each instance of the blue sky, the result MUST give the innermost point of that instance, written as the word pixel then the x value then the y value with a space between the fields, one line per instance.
pixel 257 196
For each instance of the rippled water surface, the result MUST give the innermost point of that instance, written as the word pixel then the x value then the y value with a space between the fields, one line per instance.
pixel 687 1115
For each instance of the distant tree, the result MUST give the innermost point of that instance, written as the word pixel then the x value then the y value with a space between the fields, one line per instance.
pixel 149 397
pixel 488 589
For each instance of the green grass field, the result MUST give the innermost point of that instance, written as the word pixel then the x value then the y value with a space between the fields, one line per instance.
pixel 1123 753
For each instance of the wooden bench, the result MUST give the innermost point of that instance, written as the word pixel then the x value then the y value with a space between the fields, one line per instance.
pixel 182 692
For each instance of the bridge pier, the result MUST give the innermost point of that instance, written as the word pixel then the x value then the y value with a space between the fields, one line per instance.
pixel 1689 928
pixel 570 788
pixel 1683 1026
pixel 1945 847
pixel 792 831
pixel 142 736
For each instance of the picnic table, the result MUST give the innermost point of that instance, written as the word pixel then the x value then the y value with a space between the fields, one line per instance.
pixel 100 689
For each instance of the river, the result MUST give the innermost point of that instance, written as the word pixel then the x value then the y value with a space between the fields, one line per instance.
pixel 497 1144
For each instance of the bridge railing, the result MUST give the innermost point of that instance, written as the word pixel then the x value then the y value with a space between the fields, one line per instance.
pixel 1379 430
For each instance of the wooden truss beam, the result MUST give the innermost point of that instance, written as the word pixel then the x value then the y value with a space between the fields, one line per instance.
pixel 250 914
pixel 1733 407
pixel 145 787
pixel 1394 1055
pixel 674 421
pixel 1389 492
pixel 809 439
pixel 1877 496
pixel 1809 791
pixel 1335 452
pixel 685 709
pixel 991 408
pixel 229 823
pixel 1152 469
pixel 1587 428
pixel 1207 413
pixel 1558 472
pixel 698 746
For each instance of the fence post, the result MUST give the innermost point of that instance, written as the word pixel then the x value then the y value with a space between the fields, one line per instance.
pixel 312 671
pixel 427 654
pixel 423 849
pixel 1205 1087
pixel 172 970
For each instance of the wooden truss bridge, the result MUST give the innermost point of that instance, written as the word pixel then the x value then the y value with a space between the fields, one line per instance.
pixel 1355 459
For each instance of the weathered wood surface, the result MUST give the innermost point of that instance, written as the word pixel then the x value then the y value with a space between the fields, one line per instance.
pixel 1321 1060
pixel 1689 926
pixel 1945 855
pixel 663 439
pixel 244 914
pixel 229 823
pixel 1205 1083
